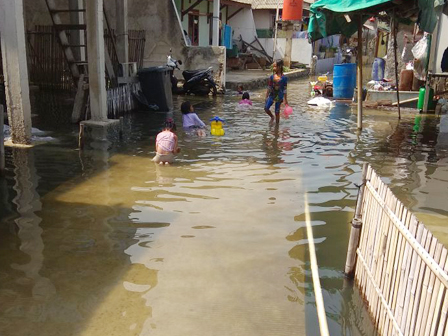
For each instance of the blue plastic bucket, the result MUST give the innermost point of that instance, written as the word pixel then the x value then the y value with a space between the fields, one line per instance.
pixel 344 80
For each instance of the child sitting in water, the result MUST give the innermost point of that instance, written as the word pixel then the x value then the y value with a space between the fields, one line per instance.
pixel 190 119
pixel 166 144
pixel 246 99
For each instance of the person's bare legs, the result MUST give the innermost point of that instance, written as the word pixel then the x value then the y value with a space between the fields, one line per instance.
pixel 277 118
pixel 269 113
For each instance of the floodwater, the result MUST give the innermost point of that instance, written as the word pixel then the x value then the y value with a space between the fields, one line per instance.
pixel 98 243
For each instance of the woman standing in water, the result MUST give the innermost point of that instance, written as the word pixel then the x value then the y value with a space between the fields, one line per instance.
pixel 276 92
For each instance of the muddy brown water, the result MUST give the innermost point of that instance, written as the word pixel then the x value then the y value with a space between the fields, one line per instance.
pixel 110 244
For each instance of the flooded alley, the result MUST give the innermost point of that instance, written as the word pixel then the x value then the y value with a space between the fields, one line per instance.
pixel 108 243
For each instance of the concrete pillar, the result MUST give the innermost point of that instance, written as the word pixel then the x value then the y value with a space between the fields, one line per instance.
pixel 215 33
pixel 122 30
pixel 97 59
pixel 15 70
pixel 288 48
pixel 77 37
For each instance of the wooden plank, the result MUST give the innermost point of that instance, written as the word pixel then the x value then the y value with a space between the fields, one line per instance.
pixel 410 100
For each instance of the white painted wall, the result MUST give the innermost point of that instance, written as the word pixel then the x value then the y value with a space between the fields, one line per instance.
pixel 262 18
pixel 243 24
pixel 301 49
pixel 443 41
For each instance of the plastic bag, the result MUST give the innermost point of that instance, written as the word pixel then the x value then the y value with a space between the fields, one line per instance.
pixel 420 52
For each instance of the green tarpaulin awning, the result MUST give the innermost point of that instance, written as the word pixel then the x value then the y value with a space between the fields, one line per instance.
pixel 327 16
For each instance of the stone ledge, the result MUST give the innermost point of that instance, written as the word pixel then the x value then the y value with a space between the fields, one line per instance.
pixel 251 82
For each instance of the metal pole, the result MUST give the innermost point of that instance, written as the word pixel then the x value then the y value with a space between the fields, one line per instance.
pixel 359 65
pixel 276 29
pixel 355 231
pixel 395 28
pixel 216 10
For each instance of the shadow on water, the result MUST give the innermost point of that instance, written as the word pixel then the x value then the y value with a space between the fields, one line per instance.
pixel 60 260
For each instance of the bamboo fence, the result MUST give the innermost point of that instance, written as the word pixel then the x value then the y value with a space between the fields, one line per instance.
pixel 401 268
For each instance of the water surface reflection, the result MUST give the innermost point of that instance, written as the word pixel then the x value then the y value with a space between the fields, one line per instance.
pixel 215 244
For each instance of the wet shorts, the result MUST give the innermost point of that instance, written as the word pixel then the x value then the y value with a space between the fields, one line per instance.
pixel 269 103
pixel 164 158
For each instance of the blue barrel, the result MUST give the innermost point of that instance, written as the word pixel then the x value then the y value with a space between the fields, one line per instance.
pixel 378 69
pixel 344 80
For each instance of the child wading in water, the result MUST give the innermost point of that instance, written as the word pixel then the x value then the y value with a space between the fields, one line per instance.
pixel 166 144
pixel 276 92
pixel 190 119
pixel 246 99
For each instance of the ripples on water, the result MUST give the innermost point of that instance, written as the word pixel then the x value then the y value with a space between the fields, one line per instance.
pixel 111 244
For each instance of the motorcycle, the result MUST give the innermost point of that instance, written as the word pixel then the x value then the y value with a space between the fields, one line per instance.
pixel 198 82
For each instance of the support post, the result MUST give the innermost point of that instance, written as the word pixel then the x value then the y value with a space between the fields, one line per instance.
pixel 359 70
pixel 122 31
pixel 288 48
pixel 97 59
pixel 2 141
pixel 355 232
pixel 276 29
pixel 394 29
pixel 215 36
pixel 15 70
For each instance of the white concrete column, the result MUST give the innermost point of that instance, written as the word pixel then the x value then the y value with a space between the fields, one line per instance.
pixel 97 59
pixel 215 33
pixel 15 70
pixel 122 30
pixel 288 48
pixel 77 36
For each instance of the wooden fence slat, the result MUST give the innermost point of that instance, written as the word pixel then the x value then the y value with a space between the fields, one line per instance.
pixel 416 286
pixel 367 233
pixel 439 300
pixel 376 231
pixel 421 315
pixel 397 275
pixel 391 201
pixel 432 292
pixel 393 251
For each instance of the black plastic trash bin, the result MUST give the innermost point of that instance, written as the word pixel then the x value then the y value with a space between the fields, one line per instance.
pixel 156 86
